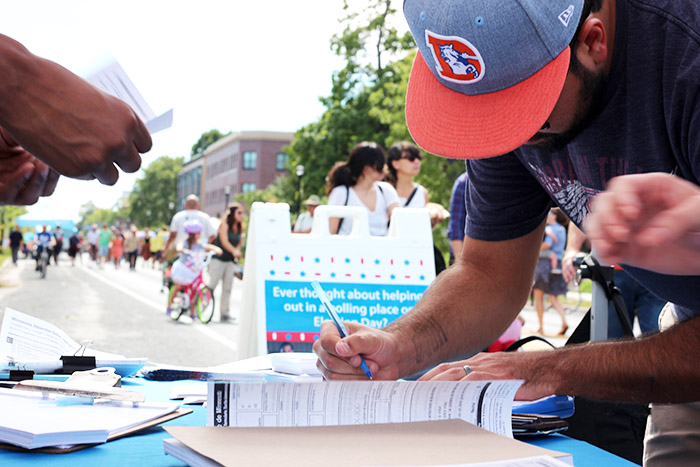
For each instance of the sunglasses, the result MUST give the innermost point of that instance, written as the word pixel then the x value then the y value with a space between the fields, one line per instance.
pixel 412 157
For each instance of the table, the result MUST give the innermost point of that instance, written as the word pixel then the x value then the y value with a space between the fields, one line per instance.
pixel 146 447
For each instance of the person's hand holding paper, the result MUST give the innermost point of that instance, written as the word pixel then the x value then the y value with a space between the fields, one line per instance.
pixel 69 124
pixel 23 178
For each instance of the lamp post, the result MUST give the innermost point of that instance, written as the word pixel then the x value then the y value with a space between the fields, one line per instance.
pixel 227 195
pixel 300 173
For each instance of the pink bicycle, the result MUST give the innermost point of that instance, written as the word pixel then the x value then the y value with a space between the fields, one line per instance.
pixel 195 295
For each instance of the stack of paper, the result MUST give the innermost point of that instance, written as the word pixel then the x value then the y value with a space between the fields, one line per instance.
pixel 433 443
pixel 29 343
pixel 483 403
pixel 295 363
pixel 30 421
pixel 292 366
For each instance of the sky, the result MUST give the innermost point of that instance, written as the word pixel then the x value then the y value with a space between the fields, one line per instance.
pixel 232 65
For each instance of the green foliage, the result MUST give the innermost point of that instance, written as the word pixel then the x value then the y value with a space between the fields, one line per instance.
pixel 351 116
pixel 100 216
pixel 366 103
pixel 8 214
pixel 205 140
pixel 153 192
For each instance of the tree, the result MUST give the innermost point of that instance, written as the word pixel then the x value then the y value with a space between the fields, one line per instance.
pixel 9 214
pixel 208 138
pixel 99 216
pixel 153 192
pixel 366 103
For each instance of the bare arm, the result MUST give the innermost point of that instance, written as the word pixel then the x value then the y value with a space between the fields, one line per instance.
pixel 214 248
pixel 390 209
pixel 574 242
pixel 171 239
pixel 464 310
pixel 659 368
pixel 334 225
pixel 69 124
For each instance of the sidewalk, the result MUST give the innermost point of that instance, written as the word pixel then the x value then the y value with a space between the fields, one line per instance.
pixel 9 274
pixel 147 282
pixel 552 322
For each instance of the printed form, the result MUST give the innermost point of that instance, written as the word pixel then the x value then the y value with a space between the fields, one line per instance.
pixel 33 344
pixel 483 403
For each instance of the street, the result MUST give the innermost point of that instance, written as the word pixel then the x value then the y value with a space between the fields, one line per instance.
pixel 123 311
pixel 119 310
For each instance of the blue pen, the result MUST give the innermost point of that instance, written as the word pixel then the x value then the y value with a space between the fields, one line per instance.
pixel 336 320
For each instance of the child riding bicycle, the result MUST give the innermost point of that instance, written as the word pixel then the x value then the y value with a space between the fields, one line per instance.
pixel 188 267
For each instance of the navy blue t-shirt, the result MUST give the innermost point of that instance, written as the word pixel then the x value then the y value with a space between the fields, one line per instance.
pixel 650 122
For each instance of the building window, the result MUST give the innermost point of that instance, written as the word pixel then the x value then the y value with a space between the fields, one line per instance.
pixel 281 163
pixel 247 187
pixel 250 160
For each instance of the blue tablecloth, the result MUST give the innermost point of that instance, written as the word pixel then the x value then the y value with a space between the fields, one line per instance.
pixel 146 447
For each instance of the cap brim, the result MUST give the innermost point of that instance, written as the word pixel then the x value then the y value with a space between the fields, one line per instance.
pixel 451 124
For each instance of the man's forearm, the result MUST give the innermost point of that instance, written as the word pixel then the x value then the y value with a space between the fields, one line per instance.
pixel 470 304
pixel 574 239
pixel 660 368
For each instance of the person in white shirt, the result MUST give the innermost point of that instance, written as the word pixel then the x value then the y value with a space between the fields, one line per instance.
pixel 93 236
pixel 403 163
pixel 306 219
pixel 191 212
pixel 357 182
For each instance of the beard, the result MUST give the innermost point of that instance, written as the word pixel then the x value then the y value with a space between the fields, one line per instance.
pixel 590 97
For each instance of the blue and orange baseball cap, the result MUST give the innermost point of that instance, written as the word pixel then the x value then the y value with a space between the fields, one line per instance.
pixel 488 73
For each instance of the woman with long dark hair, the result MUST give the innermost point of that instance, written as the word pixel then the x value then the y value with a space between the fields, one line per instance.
pixel 223 267
pixel 357 182
pixel 404 162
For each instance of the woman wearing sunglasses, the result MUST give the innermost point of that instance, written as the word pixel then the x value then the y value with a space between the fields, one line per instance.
pixel 224 266
pixel 404 161
pixel 357 182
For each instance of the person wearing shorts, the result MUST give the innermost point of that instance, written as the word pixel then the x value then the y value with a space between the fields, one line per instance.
pixel 103 244
pixel 93 237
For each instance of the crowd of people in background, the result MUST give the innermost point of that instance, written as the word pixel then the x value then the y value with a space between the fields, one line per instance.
pixel 114 244
pixel 371 178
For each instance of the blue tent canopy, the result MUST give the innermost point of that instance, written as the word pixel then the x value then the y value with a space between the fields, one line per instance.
pixel 36 223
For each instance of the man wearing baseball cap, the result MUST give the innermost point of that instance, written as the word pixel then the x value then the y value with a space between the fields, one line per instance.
pixel 548 100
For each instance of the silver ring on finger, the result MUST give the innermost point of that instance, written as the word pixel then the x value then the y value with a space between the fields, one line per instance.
pixel 467 369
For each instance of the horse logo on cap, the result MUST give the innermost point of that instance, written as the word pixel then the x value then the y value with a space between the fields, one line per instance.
pixel 457 59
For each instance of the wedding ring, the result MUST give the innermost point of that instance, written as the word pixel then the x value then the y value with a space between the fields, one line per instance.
pixel 467 369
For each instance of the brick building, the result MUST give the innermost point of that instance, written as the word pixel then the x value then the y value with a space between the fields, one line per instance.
pixel 189 181
pixel 238 163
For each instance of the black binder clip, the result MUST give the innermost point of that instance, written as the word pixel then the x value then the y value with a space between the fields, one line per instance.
pixel 72 363
pixel 20 375
pixel 75 362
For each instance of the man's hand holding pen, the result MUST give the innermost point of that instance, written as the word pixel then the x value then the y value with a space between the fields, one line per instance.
pixel 339 358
